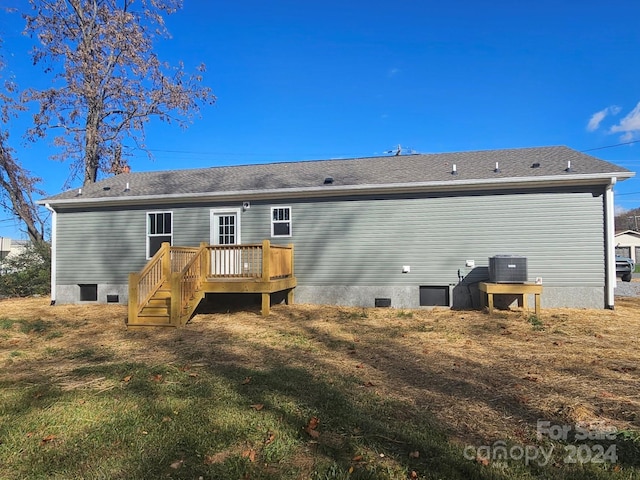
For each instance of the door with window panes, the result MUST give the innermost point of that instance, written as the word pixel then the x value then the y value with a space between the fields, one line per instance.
pixel 225 230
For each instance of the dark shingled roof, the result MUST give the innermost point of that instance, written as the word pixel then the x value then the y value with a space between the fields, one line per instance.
pixel 520 163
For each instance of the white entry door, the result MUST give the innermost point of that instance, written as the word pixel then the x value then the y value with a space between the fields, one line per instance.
pixel 225 230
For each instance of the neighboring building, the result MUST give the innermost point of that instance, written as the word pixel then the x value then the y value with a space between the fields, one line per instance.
pixel 10 248
pixel 416 230
pixel 628 244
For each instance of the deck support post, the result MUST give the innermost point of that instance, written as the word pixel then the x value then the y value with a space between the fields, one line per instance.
pixel 266 274
pixel 266 260
pixel 132 306
pixel 166 260
pixel 176 299
pixel 205 263
pixel 290 292
pixel 266 304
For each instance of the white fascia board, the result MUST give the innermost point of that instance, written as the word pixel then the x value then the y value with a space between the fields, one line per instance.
pixel 332 191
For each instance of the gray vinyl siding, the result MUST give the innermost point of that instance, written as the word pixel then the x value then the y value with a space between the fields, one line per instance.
pixel 365 241
pixel 104 246
pixel 359 243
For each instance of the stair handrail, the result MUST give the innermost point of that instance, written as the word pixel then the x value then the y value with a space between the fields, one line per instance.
pixel 158 269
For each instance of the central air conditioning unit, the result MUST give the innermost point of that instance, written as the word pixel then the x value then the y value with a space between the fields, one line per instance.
pixel 507 269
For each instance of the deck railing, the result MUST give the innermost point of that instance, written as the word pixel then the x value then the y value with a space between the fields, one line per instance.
pixel 186 268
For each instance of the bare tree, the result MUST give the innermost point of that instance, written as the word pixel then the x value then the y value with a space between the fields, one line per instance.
pixel 17 186
pixel 108 82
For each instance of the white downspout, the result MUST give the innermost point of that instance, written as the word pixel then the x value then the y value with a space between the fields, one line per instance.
pixel 54 244
pixel 610 249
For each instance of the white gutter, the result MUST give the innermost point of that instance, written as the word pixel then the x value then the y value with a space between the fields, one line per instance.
pixel 610 249
pixel 331 191
pixel 54 248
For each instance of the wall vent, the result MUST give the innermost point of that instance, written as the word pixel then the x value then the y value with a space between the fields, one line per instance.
pixel 383 302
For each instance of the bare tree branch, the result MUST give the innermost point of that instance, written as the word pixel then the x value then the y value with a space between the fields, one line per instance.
pixel 110 82
pixel 16 184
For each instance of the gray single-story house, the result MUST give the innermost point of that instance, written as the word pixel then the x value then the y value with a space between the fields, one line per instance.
pixel 405 231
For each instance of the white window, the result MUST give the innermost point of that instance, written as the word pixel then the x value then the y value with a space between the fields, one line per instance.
pixel 159 230
pixel 280 221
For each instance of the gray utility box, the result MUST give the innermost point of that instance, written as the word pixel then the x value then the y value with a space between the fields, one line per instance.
pixel 507 269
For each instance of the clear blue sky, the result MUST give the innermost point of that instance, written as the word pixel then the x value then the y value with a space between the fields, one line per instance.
pixel 299 80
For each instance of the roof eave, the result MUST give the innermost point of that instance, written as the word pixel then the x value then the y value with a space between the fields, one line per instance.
pixel 338 190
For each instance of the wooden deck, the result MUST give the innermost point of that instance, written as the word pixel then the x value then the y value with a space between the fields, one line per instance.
pixel 169 288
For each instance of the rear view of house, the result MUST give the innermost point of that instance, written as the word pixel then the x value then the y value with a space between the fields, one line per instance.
pixel 405 231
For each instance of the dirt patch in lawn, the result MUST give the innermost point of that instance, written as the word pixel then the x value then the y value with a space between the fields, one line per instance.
pixel 481 377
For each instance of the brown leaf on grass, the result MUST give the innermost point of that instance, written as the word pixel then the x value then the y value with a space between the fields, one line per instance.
pixel 193 375
pixel 177 464
pixel 48 439
pixel 166 419
pixel 313 423
pixel 413 475
pixel 246 381
pixel 482 460
pixel 606 394
pixel 312 426
pixel 257 406
pixel 270 438
pixel 250 454
pixel 415 454
pixel 357 458
pixel 157 378
pixel 127 378
pixel 368 384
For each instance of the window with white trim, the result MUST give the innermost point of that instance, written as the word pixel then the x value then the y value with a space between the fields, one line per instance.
pixel 280 221
pixel 159 230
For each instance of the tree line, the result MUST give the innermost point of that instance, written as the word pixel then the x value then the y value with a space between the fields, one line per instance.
pixel 629 220
pixel 106 83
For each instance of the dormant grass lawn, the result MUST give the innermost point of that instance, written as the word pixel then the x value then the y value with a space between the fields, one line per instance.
pixel 319 393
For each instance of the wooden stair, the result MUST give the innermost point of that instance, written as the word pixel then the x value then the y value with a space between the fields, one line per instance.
pixel 157 312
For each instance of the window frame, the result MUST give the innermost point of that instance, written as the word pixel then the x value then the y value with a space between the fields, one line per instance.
pixel 149 235
pixel 274 222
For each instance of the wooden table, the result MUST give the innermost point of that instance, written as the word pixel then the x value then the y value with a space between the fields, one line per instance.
pixel 522 289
